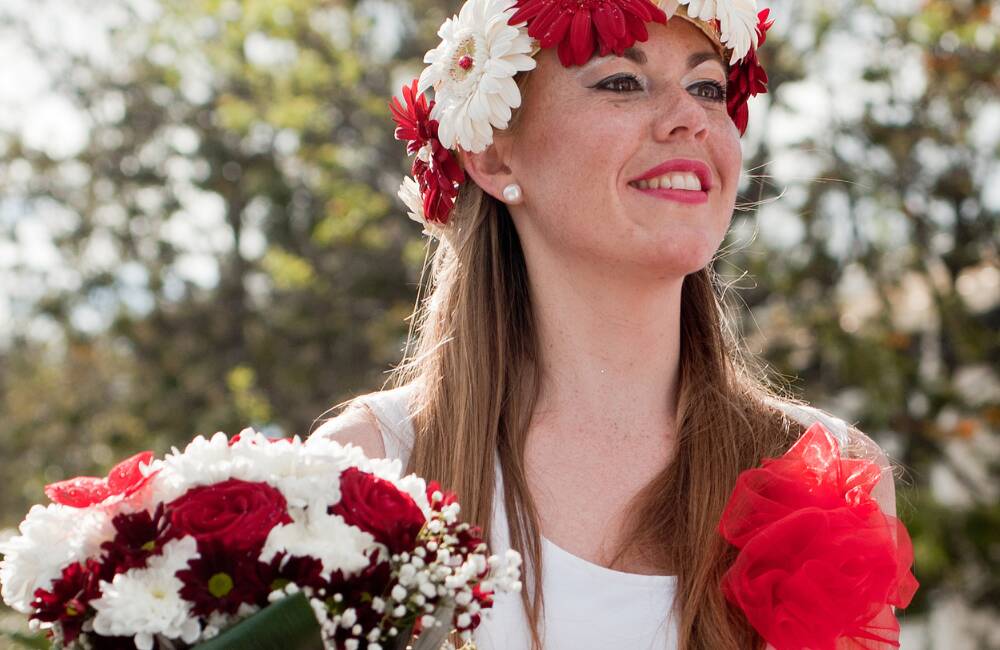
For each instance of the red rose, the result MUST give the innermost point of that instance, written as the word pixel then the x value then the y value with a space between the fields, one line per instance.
pixel 819 562
pixel 235 514
pixel 378 507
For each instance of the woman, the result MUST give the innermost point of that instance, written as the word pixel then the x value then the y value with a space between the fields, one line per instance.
pixel 571 376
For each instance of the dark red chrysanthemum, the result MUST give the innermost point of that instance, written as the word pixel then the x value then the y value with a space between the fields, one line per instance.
pixel 748 78
pixel 303 571
pixel 138 536
pixel 66 602
pixel 435 168
pixel 357 590
pixel 220 580
pixel 578 27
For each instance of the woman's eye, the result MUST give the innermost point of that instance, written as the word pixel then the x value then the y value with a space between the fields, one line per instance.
pixel 620 83
pixel 711 90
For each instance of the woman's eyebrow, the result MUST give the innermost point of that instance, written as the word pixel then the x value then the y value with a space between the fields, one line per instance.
pixel 700 57
pixel 634 54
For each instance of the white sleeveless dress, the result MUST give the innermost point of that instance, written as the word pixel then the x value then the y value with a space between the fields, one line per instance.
pixel 587 606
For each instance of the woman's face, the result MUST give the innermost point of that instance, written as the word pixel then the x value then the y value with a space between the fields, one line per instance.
pixel 586 134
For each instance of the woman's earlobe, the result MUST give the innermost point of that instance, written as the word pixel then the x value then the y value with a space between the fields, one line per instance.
pixel 488 169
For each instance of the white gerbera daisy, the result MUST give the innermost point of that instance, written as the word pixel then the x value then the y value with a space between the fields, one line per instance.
pixel 472 72
pixel 409 194
pixel 737 22
pixel 146 602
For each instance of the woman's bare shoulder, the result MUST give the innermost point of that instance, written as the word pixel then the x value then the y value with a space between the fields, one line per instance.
pixel 356 425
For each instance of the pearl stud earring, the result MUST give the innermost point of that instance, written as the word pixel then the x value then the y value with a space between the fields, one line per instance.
pixel 512 193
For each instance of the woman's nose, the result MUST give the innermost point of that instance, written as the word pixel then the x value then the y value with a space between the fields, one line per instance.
pixel 680 115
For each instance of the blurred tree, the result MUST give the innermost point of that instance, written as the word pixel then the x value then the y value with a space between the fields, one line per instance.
pixel 229 232
pixel 878 270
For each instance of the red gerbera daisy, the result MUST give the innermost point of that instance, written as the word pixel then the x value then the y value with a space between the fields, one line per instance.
pixel 748 78
pixel 435 168
pixel 579 27
pixel 66 602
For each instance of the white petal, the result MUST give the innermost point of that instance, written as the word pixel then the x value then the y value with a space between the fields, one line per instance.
pixel 510 93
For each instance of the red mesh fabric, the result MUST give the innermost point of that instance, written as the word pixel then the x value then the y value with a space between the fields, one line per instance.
pixel 820 565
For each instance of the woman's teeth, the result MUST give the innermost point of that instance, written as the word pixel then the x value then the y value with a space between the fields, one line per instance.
pixel 670 181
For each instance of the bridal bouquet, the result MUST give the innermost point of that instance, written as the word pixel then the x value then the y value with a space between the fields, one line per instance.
pixel 820 565
pixel 190 550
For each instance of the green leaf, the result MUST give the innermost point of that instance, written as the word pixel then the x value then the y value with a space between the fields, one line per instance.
pixel 288 624
pixel 25 640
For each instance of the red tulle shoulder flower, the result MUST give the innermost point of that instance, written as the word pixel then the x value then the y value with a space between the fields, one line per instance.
pixel 820 565
pixel 579 27
pixel 747 78
pixel 435 168
pixel 124 480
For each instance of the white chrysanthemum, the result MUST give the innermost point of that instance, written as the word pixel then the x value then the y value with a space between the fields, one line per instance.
pixel 389 469
pixel 301 472
pixel 737 22
pixel 146 602
pixel 472 72
pixel 203 462
pixel 304 472
pixel 409 194
pixel 326 537
pixel 51 538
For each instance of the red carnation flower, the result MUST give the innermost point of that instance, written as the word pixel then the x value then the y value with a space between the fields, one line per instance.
pixel 819 562
pixel 747 78
pixel 378 507
pixel 578 27
pixel 124 480
pixel 137 536
pixel 435 168
pixel 236 514
pixel 66 601
pixel 220 580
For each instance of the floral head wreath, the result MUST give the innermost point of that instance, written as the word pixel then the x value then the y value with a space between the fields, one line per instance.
pixel 482 48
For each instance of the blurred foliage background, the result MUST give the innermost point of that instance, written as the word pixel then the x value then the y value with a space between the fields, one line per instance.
pixel 199 231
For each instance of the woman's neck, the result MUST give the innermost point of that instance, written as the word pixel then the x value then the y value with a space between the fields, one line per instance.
pixel 609 354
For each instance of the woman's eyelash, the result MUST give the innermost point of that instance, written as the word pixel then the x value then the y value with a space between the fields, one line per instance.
pixel 720 90
pixel 609 83
pixel 614 84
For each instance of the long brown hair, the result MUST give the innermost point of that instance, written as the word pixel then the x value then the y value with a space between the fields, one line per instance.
pixel 472 355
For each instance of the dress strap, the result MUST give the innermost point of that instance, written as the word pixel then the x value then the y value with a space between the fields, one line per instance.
pixel 808 415
pixel 391 409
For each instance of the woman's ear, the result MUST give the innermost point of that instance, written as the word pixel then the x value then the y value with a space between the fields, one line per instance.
pixel 489 168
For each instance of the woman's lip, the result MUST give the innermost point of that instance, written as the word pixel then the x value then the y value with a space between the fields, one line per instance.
pixel 671 194
pixel 691 165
